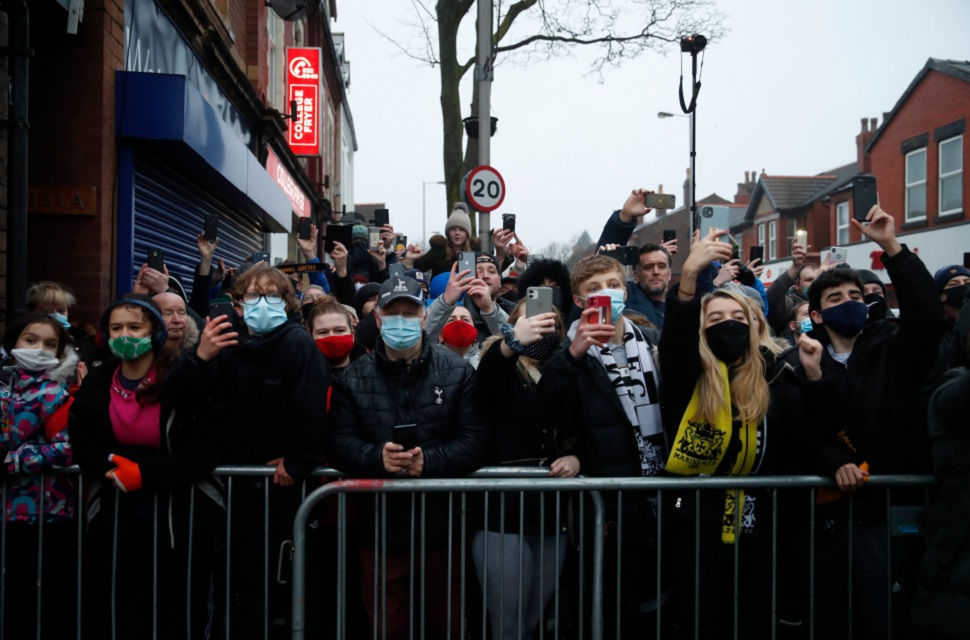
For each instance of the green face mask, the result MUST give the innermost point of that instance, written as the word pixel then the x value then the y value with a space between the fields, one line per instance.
pixel 128 348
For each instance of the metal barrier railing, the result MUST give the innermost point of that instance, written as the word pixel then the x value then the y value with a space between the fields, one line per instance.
pixel 608 545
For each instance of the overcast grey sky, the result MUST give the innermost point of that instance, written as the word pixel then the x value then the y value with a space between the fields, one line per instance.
pixel 783 91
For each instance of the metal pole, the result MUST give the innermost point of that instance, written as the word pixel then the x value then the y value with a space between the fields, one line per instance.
pixel 17 162
pixel 424 212
pixel 484 75
pixel 693 168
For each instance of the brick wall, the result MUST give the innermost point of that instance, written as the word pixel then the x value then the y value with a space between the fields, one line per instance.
pixel 938 100
pixel 75 147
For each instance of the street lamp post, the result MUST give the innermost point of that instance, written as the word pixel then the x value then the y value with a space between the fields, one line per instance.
pixel 424 207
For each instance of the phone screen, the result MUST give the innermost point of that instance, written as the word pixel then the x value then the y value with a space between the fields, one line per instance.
pixel 305 228
pixel 669 234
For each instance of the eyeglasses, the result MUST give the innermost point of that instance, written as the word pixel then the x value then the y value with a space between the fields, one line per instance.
pixel 252 297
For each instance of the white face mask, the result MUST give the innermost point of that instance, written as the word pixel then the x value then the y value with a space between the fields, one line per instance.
pixel 37 360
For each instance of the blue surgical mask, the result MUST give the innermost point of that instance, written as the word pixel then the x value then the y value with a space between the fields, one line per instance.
pixel 617 305
pixel 264 316
pixel 62 319
pixel 400 333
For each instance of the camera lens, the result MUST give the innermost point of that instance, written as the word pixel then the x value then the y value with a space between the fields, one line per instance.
pixel 707 212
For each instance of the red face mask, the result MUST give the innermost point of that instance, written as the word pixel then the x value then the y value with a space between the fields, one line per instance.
pixel 459 334
pixel 335 348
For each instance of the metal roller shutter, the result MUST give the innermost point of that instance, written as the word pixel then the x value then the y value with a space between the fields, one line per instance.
pixel 170 210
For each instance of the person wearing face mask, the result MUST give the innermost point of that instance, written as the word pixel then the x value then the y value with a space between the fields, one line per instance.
pixel 790 287
pixel 602 389
pixel 510 369
pixel 407 380
pixel 332 328
pixel 862 398
pixel 731 408
pixel 460 336
pixel 33 389
pixel 271 393
pixel 952 282
pixel 478 292
pixel 56 300
pixel 144 437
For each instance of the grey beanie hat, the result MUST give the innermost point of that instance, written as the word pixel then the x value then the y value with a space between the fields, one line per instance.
pixel 745 290
pixel 460 219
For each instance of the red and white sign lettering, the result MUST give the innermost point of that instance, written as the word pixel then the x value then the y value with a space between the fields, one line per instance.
pixel 283 178
pixel 303 86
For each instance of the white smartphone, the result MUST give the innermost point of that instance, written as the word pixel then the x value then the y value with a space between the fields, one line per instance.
pixel 837 255
pixel 801 237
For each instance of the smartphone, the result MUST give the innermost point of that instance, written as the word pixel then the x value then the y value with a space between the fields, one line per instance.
pixel 395 270
pixel 401 242
pixel 382 217
pixel 508 222
pixel 211 229
pixel 305 223
pixel 374 238
pixel 661 200
pixel 735 252
pixel 342 233
pixel 156 260
pixel 966 260
pixel 801 237
pixel 837 255
pixel 757 252
pixel 714 217
pixel 261 256
pixel 466 261
pixel 538 300
pixel 628 255
pixel 604 304
pixel 863 196
pixel 670 234
pixel 222 308
pixel 405 435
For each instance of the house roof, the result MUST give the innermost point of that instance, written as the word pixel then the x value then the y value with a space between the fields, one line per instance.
pixel 959 69
pixel 843 176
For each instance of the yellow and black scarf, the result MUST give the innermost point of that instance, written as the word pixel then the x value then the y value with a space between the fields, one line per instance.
pixel 699 449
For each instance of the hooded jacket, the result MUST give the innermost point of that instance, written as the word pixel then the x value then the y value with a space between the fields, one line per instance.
pixel 437 393
pixel 269 394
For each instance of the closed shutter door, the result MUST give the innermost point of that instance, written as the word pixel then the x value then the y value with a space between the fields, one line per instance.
pixel 170 211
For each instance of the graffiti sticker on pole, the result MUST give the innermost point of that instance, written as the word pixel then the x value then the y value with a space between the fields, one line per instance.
pixel 484 188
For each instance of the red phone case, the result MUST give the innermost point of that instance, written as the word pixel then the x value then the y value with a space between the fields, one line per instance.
pixel 605 306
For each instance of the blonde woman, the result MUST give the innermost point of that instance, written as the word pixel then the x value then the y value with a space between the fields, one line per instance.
pixel 730 408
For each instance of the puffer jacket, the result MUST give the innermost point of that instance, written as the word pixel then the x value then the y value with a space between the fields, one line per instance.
pixel 437 393
pixel 26 404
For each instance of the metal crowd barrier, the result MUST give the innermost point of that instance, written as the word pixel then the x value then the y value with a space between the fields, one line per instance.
pixel 609 540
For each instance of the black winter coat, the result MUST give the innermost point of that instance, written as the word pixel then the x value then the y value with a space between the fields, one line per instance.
pixel 869 410
pixel 437 393
pixel 270 398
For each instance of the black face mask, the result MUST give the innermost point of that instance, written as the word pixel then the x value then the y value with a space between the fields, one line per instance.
pixel 729 340
pixel 544 348
pixel 877 307
pixel 954 296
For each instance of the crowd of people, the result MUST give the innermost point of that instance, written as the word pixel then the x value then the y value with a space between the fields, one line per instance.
pixel 434 363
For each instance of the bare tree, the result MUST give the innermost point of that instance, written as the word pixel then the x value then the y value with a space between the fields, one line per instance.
pixel 528 31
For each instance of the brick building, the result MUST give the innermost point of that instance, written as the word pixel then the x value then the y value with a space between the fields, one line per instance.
pixel 156 113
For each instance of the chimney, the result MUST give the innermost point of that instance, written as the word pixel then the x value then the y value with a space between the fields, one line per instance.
pixel 743 196
pixel 863 163
pixel 687 189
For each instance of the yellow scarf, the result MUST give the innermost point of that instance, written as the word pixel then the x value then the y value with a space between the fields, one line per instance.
pixel 699 449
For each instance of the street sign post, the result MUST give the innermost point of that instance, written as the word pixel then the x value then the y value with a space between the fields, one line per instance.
pixel 484 188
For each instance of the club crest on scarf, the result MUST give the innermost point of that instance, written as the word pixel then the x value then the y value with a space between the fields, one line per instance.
pixel 702 444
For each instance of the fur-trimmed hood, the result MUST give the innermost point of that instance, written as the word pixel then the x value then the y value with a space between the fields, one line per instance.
pixel 554 270
pixel 66 367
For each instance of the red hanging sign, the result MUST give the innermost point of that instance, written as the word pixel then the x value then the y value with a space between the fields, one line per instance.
pixel 303 87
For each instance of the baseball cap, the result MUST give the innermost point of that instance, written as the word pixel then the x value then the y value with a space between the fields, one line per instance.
pixel 400 287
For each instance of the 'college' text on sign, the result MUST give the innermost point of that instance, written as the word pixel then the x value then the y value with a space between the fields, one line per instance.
pixel 303 87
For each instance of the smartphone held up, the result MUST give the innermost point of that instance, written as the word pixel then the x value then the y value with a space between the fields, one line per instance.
pixel 603 305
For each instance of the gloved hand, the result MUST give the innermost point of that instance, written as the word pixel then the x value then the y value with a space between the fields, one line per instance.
pixel 126 475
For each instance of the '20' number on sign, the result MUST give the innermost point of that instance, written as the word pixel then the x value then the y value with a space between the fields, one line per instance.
pixel 480 188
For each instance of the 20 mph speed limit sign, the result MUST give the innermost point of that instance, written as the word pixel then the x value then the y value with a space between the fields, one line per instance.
pixel 484 188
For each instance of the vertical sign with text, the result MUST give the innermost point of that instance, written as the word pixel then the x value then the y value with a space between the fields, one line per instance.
pixel 303 87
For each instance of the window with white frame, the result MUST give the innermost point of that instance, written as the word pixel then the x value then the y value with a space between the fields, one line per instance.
pixel 951 176
pixel 772 234
pixel 842 224
pixel 274 93
pixel 761 235
pixel 916 185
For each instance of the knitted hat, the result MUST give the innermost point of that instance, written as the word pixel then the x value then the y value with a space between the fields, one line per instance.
pixel 868 277
pixel 364 294
pixel 750 292
pixel 944 275
pixel 460 219
pixel 359 232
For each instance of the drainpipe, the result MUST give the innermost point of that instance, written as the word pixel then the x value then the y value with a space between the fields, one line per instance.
pixel 19 53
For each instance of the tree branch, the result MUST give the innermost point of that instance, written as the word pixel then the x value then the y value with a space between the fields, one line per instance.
pixel 577 40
